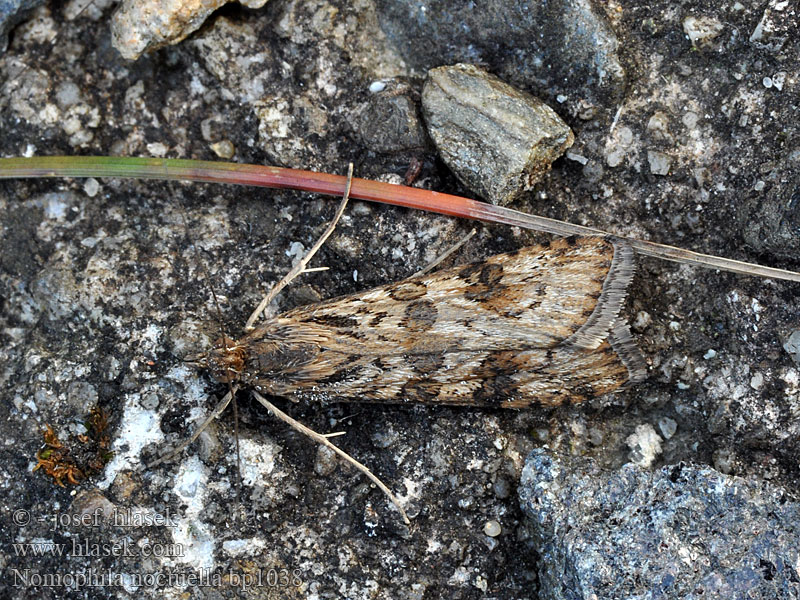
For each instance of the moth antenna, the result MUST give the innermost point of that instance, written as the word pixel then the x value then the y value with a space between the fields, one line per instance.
pixel 300 267
pixel 321 439
pixel 231 395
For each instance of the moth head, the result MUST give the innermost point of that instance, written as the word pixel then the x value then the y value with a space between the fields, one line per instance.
pixel 225 360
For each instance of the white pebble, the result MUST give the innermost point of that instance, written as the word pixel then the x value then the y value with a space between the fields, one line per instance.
pixel 645 445
pixel 701 29
pixel 377 86
pixel 756 381
pixel 492 528
pixel 91 187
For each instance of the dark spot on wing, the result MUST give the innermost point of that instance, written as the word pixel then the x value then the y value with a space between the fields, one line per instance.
pixel 470 272
pixel 491 274
pixel 495 390
pixel 427 363
pixel 419 390
pixel 479 293
pixel 338 376
pixel 420 316
pixel 376 319
pixel 335 321
pixel 406 291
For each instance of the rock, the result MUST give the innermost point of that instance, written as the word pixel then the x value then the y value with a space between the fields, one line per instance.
pixel 562 47
pixel 141 26
pixel 772 216
pixel 777 25
pixel 701 30
pixel 792 346
pixel 659 162
pixel 645 445
pixel 390 122
pixel 497 140
pixel 678 532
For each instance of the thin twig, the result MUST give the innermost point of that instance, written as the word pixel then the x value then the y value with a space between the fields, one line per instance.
pixel 300 267
pixel 321 439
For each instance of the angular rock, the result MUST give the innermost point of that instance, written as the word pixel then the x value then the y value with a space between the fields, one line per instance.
pixel 498 140
pixel 561 47
pixel 391 123
pixel 141 26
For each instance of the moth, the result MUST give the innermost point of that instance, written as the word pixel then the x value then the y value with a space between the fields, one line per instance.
pixel 540 325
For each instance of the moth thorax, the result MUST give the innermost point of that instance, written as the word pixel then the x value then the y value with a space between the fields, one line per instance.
pixel 226 360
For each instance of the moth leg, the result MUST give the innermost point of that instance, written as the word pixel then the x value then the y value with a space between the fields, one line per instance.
pixel 444 256
pixel 223 404
pixel 321 439
pixel 300 267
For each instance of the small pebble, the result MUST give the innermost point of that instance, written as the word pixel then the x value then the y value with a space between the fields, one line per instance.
pixel 492 528
pixel 498 140
pixel 642 321
pixel 660 163
pixel 502 488
pixel 792 346
pixel 645 445
pixel 756 381
pixel 91 187
pixel 668 427
pixel 701 29
pixel 325 462
pixel 224 149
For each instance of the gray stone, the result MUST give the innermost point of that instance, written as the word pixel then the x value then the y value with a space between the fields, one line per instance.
pixel 497 140
pixel 678 532
pixel 390 122
pixel 772 214
pixel 564 47
pixel 141 26
pixel 792 346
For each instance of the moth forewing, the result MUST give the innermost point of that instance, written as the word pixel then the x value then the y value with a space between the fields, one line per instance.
pixel 539 325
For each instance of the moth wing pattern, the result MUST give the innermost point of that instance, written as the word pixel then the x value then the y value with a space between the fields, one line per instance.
pixel 539 325
pixel 570 291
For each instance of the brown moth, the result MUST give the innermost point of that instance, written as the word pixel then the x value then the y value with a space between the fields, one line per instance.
pixel 538 325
